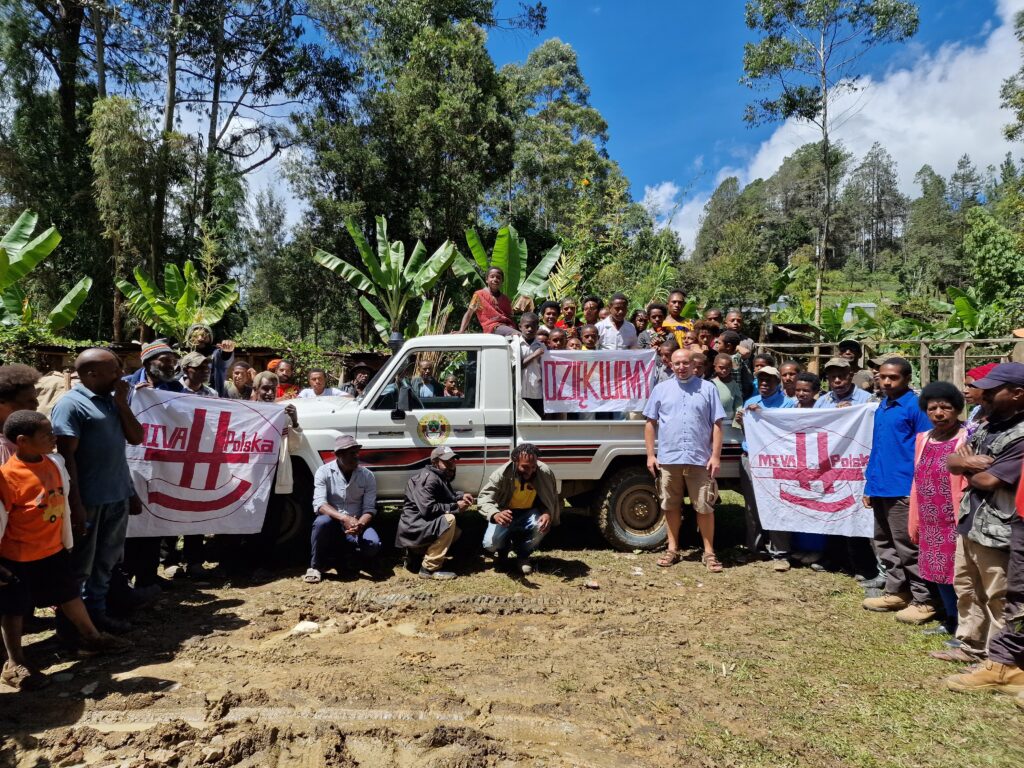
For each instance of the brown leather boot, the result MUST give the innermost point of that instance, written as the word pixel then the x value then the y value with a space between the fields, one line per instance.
pixel 916 613
pixel 887 602
pixel 990 676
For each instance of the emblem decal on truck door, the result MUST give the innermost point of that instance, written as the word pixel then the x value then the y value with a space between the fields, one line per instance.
pixel 434 428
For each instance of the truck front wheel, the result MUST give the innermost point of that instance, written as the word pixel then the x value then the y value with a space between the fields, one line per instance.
pixel 628 512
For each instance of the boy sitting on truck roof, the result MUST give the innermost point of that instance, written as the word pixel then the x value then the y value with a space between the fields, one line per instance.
pixel 492 308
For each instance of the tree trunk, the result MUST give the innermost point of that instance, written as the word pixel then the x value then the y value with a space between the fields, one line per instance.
pixel 211 137
pixel 156 245
pixel 118 298
pixel 99 29
pixel 69 32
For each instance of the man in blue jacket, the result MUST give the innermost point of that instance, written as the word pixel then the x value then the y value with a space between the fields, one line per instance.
pixel 889 474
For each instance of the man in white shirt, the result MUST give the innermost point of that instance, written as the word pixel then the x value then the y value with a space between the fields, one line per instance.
pixel 318 385
pixel 616 332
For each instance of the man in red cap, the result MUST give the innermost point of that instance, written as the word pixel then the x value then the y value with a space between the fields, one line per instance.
pixel 989 575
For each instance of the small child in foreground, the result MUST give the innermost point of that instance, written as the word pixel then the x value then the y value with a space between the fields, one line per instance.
pixel 35 536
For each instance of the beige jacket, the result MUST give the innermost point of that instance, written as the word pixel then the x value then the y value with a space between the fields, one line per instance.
pixel 497 492
pixel 285 482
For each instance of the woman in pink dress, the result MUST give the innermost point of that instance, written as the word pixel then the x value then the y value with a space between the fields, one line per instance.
pixel 935 494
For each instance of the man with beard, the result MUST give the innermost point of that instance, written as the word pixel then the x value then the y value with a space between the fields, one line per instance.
pixel 428 515
pixel 520 502
pixel 159 369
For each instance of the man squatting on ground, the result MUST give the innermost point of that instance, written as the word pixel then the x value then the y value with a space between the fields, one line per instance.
pixel 427 527
pixel 521 503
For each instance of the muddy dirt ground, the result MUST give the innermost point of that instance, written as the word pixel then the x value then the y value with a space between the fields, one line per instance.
pixel 653 667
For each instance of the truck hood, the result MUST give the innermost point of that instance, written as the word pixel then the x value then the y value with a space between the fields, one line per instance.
pixel 326 412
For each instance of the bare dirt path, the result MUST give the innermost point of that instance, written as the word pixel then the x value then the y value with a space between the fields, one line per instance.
pixel 655 667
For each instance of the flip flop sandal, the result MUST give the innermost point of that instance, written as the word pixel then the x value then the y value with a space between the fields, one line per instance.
pixel 312 576
pixel 712 563
pixel 671 557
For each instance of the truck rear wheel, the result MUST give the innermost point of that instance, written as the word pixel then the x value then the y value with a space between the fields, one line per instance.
pixel 628 512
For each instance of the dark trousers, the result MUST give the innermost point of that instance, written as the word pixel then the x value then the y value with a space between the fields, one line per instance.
pixel 852 553
pixel 776 542
pixel 948 596
pixel 246 552
pixel 333 548
pixel 142 555
pixel 1008 646
pixel 895 549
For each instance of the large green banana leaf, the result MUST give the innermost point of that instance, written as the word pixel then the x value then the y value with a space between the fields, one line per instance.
pixel 63 314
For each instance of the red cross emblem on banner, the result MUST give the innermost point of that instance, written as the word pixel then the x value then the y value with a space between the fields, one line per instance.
pixel 190 458
pixel 823 472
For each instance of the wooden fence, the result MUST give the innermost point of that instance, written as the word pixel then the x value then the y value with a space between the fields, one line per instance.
pixel 934 360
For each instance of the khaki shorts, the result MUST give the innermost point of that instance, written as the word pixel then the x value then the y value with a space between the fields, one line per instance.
pixel 700 487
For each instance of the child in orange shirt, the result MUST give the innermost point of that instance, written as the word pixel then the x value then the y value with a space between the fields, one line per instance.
pixel 35 536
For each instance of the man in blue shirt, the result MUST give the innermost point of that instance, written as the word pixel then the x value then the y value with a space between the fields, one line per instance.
pixel 159 370
pixel 769 395
pixel 93 422
pixel 842 392
pixel 344 502
pixel 686 415
pixel 856 551
pixel 889 474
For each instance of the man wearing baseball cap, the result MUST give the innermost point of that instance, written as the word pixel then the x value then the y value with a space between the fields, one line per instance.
pixel 428 514
pixel 842 392
pixel 769 395
pixel 344 502
pixel 989 568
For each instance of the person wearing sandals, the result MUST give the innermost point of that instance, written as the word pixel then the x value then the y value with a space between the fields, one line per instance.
pixel 684 416
pixel 344 502
pixel 935 495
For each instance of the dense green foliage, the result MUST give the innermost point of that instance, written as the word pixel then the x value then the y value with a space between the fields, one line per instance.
pixel 134 128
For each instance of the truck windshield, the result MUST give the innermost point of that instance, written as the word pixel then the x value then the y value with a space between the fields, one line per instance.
pixel 442 379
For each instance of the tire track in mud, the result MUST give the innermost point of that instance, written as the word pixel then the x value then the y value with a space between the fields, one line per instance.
pixel 369 601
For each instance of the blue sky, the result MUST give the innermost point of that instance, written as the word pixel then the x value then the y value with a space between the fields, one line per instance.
pixel 665 75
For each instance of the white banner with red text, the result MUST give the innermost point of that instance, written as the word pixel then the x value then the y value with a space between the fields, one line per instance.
pixel 807 467
pixel 206 464
pixel 594 382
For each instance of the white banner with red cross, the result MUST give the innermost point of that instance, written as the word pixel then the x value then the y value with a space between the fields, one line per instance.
pixel 206 464
pixel 807 468
pixel 591 382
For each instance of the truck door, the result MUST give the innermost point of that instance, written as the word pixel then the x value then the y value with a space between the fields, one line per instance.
pixel 444 409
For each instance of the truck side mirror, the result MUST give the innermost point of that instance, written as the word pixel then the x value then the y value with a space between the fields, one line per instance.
pixel 402 402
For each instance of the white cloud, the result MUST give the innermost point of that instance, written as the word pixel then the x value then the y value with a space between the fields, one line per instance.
pixel 932 110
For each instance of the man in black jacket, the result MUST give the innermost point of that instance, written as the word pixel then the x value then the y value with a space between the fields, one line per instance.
pixel 428 514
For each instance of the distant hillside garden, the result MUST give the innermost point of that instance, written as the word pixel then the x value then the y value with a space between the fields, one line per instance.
pixel 135 130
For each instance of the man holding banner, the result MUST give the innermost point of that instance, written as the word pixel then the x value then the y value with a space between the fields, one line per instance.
pixel 685 414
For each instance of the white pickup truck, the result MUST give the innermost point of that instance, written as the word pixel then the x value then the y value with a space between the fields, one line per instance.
pixel 404 413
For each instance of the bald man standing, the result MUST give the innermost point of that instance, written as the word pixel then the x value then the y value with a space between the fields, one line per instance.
pixel 93 422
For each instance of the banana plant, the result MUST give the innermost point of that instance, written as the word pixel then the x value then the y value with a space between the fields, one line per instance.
pixel 390 280
pixel 20 253
pixel 187 298
pixel 510 254
pixel 969 312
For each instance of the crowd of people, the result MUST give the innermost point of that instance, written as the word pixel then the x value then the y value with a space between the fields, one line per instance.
pixel 944 488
